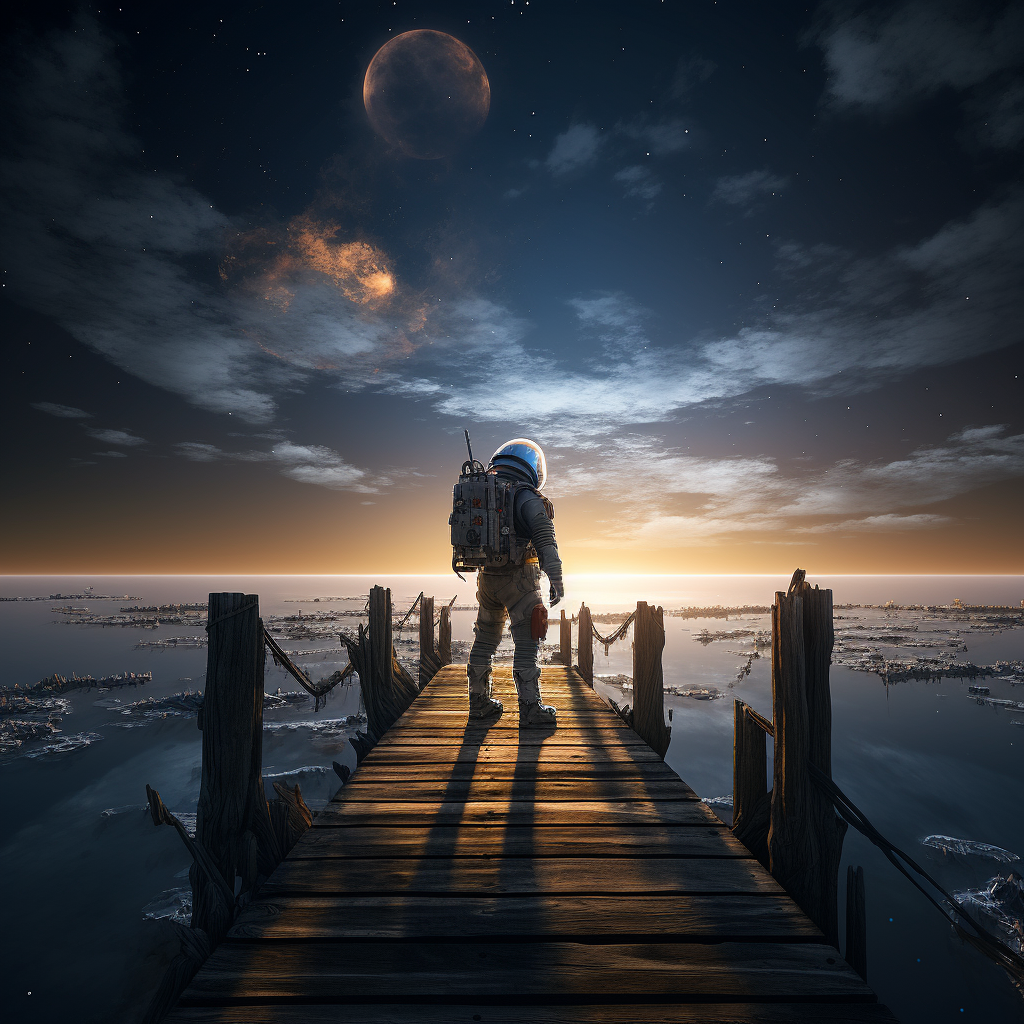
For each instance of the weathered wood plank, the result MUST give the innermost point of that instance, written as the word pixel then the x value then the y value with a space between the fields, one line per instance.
pixel 410 753
pixel 590 738
pixel 518 841
pixel 581 918
pixel 529 788
pixel 522 812
pixel 620 1013
pixel 510 973
pixel 619 771
pixel 585 876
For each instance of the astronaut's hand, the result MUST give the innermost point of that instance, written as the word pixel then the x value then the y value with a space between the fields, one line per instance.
pixel 557 591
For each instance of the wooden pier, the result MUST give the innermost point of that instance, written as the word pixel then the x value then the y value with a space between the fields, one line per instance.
pixel 475 873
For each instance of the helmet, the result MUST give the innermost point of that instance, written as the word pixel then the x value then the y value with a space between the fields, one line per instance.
pixel 524 457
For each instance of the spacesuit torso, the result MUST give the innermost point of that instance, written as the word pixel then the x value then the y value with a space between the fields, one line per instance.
pixel 532 517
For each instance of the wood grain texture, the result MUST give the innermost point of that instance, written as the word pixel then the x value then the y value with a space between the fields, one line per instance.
pixel 510 973
pixel 577 1013
pixel 518 841
pixel 499 876
pixel 528 788
pixel 561 918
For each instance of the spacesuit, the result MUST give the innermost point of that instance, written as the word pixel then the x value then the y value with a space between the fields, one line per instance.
pixel 514 590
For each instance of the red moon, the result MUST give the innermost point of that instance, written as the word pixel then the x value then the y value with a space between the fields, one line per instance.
pixel 426 92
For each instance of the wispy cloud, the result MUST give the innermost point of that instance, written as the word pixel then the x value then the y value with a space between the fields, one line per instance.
pixel 308 464
pixel 890 56
pixel 744 189
pixel 690 72
pixel 575 148
pixel 693 499
pixel 121 437
pixel 68 412
pixel 639 182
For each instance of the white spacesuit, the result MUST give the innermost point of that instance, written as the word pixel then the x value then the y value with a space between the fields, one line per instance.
pixel 514 589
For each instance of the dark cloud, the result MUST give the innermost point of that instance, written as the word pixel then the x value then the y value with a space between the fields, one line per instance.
pixel 68 412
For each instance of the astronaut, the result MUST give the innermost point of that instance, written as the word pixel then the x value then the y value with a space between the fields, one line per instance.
pixel 514 589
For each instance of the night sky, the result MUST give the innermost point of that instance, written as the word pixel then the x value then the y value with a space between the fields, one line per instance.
pixel 753 274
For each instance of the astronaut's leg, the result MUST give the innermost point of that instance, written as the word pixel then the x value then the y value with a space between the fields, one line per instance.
pixel 526 661
pixel 490 622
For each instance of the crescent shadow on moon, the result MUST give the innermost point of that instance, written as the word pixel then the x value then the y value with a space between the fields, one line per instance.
pixel 426 93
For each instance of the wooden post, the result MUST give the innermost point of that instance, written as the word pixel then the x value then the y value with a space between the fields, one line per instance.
pixel 805 839
pixel 232 816
pixel 386 687
pixel 585 646
pixel 429 663
pixel 648 681
pixel 751 807
pixel 444 637
pixel 565 640
pixel 856 922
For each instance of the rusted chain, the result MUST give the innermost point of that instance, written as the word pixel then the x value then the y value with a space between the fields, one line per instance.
pixel 617 635
pixel 319 690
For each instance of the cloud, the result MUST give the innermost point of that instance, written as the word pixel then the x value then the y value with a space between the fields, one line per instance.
pixel 111 455
pixel 122 437
pixel 63 411
pixel 308 464
pixel 690 72
pixel 744 189
pixel 659 137
pixel 639 182
pixel 108 249
pixel 887 58
pixel 857 323
pixel 882 524
pixel 575 148
pixel 693 499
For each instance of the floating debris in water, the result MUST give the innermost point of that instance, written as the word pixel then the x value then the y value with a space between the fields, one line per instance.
pixel 695 692
pixel 981 691
pixel 718 801
pixel 759 636
pixel 999 702
pixel 322 727
pixel 113 812
pixel 64 744
pixel 172 905
pixel 1001 902
pixel 61 684
pixel 969 848
pixel 309 769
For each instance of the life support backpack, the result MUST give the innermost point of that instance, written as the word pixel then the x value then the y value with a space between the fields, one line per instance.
pixel 482 520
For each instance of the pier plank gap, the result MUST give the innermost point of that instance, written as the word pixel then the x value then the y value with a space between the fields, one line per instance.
pixel 469 872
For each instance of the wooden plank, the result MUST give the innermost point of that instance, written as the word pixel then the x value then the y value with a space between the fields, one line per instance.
pixel 522 812
pixel 716 918
pixel 518 841
pixel 590 738
pixel 530 788
pixel 410 753
pixel 385 773
pixel 584 876
pixel 620 1013
pixel 509 973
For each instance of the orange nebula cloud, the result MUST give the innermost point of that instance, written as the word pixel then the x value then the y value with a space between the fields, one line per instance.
pixel 272 262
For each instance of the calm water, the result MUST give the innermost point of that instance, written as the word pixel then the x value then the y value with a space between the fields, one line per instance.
pixel 918 758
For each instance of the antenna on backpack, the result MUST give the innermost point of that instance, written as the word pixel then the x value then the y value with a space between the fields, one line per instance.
pixel 472 466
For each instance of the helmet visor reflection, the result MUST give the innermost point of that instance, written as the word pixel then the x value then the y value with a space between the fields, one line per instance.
pixel 527 453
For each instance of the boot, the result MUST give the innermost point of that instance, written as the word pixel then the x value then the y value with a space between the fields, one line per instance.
pixel 537 716
pixel 482 706
pixel 481 703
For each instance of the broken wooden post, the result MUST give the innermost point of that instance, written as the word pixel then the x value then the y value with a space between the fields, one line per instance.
pixel 856 922
pixel 585 646
pixel 430 664
pixel 805 839
pixel 232 823
pixel 751 805
pixel 444 636
pixel 565 640
pixel 648 681
pixel 387 688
